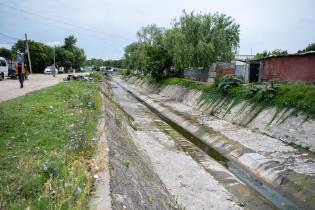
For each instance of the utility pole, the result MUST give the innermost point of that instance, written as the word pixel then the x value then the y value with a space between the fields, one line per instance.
pixel 54 56
pixel 28 53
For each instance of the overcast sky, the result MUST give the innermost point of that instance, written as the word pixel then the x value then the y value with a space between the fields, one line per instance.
pixel 104 27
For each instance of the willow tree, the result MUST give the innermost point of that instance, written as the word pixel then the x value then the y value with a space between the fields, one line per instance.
pixel 205 38
pixel 195 40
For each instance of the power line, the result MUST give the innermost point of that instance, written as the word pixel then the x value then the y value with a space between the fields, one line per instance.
pixel 7 43
pixel 48 18
pixel 59 21
pixel 10 37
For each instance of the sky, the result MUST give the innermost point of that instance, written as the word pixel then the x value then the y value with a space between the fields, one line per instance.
pixel 104 27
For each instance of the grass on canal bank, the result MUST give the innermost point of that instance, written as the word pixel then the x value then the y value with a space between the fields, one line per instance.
pixel 300 97
pixel 46 147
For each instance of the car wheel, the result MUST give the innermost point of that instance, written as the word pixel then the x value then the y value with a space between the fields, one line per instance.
pixel 1 76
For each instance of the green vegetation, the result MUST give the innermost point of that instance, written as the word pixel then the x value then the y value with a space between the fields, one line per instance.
pixel 310 47
pixel 46 147
pixel 68 55
pixel 301 97
pixel 6 53
pixel 184 82
pixel 276 52
pixel 97 63
pixel 195 40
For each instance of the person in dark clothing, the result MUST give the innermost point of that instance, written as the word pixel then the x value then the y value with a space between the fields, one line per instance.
pixel 20 72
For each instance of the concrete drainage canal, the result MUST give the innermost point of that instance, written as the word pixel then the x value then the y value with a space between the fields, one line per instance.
pixel 241 187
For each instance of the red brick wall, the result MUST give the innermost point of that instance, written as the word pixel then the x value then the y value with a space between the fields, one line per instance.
pixel 300 68
pixel 225 69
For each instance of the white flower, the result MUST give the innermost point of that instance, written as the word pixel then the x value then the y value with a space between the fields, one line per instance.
pixel 79 189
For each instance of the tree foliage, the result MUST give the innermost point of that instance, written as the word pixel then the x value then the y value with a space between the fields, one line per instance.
pixel 275 52
pixel 97 63
pixel 70 42
pixel 68 55
pixel 75 55
pixel 310 47
pixel 41 54
pixel 6 53
pixel 194 40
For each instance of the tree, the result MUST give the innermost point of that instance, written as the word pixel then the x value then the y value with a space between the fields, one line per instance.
pixel 207 38
pixel 6 53
pixel 174 41
pixel 195 40
pixel 148 34
pixel 275 52
pixel 95 62
pixel 69 55
pixel 64 57
pixel 310 47
pixel 134 56
pixel 279 52
pixel 78 57
pixel 70 42
pixel 262 55
pixel 41 54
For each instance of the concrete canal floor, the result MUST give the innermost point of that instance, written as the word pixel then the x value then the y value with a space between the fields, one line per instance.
pixel 154 163
pixel 192 177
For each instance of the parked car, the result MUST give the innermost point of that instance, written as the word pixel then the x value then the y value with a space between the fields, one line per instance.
pixel 61 70
pixel 3 68
pixel 48 70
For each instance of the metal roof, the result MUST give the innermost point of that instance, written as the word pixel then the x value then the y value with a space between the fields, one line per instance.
pixel 289 55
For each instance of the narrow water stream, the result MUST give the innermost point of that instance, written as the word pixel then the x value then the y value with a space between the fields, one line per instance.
pixel 273 196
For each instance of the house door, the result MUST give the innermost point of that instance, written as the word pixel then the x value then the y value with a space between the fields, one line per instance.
pixel 254 72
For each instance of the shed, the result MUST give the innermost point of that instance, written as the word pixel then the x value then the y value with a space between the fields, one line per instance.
pixel 291 68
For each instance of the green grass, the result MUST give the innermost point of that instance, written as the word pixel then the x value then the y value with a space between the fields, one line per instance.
pixel 300 97
pixel 46 147
pixel 184 82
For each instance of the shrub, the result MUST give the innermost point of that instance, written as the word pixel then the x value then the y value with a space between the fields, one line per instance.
pixel 96 75
pixel 269 92
pixel 217 80
pixel 126 72
pixel 253 89
pixel 227 83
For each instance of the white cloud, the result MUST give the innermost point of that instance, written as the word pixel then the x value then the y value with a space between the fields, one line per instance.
pixel 52 44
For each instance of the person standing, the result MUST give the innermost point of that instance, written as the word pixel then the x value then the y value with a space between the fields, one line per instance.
pixel 20 72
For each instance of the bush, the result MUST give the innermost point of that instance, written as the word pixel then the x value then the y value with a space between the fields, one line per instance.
pixel 217 80
pixel 96 75
pixel 227 83
pixel 268 93
pixel 253 89
pixel 126 72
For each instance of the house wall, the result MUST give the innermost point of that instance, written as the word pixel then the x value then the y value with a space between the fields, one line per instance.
pixel 225 69
pixel 240 70
pixel 199 74
pixel 299 68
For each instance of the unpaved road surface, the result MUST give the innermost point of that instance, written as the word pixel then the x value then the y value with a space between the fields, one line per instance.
pixel 10 88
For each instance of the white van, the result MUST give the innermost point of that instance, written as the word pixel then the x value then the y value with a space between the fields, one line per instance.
pixel 3 68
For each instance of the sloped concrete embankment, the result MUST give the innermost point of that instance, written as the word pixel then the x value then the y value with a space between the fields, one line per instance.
pixel 285 125
pixel 133 182
pixel 298 186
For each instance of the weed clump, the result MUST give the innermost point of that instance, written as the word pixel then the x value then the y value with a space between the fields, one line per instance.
pixel 46 148
pixel 228 83
pixel 300 97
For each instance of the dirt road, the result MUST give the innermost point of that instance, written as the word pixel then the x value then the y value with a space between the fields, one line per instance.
pixel 10 89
